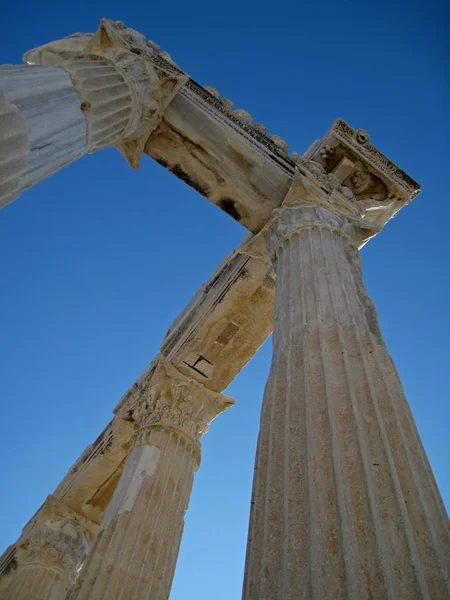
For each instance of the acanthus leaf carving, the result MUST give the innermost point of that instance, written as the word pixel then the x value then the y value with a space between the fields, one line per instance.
pixel 175 401
pixel 58 538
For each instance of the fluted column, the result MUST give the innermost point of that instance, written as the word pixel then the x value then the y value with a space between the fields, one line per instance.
pixel 344 504
pixel 75 96
pixel 55 550
pixel 136 550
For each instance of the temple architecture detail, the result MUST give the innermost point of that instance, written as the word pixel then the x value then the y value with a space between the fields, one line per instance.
pixel 344 501
pixel 81 94
pixel 56 544
pixel 137 546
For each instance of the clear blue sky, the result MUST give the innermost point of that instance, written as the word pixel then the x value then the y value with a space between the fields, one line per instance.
pixel 98 260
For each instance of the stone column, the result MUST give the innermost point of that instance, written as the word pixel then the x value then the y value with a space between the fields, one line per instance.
pixel 56 546
pixel 135 553
pixel 75 96
pixel 344 504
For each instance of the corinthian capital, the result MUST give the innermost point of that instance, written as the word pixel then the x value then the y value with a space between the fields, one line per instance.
pixel 176 402
pixel 141 90
pixel 57 539
pixel 290 219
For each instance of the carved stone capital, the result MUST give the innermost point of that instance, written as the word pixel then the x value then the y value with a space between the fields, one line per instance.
pixel 57 539
pixel 290 219
pixel 137 90
pixel 178 403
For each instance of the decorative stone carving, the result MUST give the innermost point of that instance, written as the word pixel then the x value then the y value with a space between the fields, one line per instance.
pixel 213 91
pixel 261 128
pixel 56 543
pixel 290 220
pixel 280 142
pixel 151 87
pixel 371 166
pixel 77 95
pixel 60 544
pixel 244 116
pixel 176 401
pixel 136 550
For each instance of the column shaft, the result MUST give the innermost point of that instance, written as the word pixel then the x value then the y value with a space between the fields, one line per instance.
pixel 77 95
pixel 51 116
pixel 344 502
pixel 135 553
pixel 38 583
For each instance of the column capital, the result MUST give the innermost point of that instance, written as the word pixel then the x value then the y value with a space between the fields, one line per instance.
pixel 151 86
pixel 58 539
pixel 308 205
pixel 290 219
pixel 176 402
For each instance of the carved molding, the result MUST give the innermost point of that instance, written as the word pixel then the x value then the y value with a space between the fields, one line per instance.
pixel 290 219
pixel 176 402
pixel 359 140
pixel 150 88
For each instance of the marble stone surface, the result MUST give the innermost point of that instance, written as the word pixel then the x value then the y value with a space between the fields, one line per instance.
pixel 53 546
pixel 344 502
pixel 135 552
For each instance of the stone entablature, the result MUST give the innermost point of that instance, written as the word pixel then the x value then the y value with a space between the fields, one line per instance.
pixel 188 118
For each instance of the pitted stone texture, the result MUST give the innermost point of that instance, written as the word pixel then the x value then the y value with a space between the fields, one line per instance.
pixel 135 553
pixel 151 88
pixel 344 502
pixel 78 95
pixel 56 545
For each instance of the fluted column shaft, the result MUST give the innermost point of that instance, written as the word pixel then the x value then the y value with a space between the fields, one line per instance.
pixel 136 549
pixel 36 582
pixel 51 116
pixel 78 95
pixel 135 553
pixel 344 502
pixel 55 550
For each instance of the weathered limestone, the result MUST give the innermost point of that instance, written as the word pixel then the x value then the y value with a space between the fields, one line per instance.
pixel 136 549
pixel 55 543
pixel 344 503
pixel 210 341
pixel 81 94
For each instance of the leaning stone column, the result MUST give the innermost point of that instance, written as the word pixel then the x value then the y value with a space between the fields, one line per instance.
pixel 344 505
pixel 75 96
pixel 56 547
pixel 135 553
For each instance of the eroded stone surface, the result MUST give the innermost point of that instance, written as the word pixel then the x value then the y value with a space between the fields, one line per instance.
pixel 334 409
pixel 136 550
pixel 53 547
pixel 344 503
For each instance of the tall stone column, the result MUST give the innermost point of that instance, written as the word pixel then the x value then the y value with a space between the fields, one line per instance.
pixel 75 96
pixel 344 504
pixel 56 547
pixel 135 553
